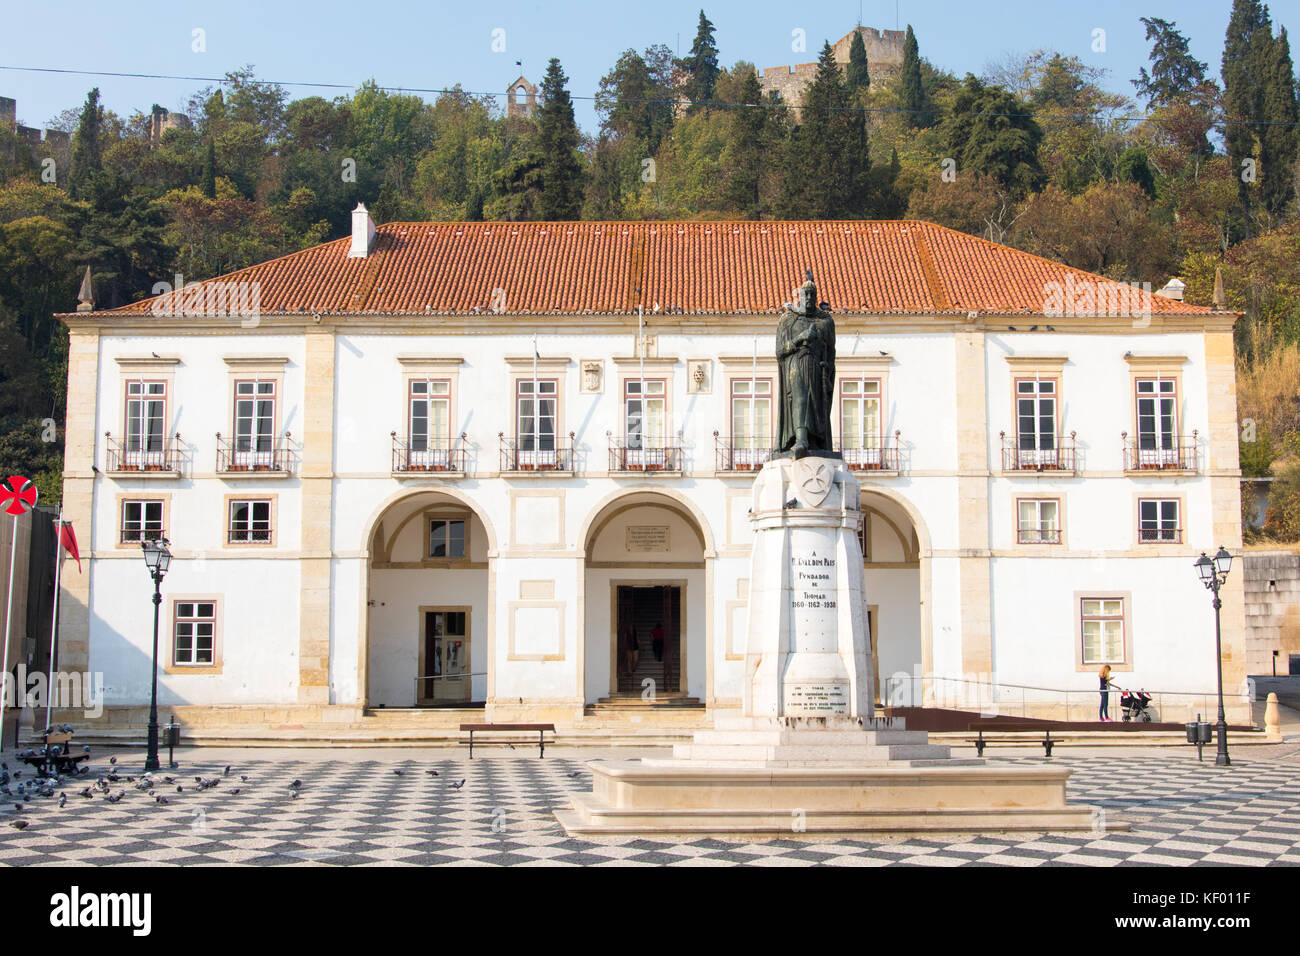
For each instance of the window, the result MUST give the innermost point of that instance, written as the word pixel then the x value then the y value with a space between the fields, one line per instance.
pixel 142 521
pixel 535 421
pixel 255 424
pixel 250 521
pixel 643 415
pixel 751 422
pixel 146 416
pixel 1036 421
pixel 195 633
pixel 1103 630
pixel 446 538
pixel 1157 421
pixel 860 414
pixel 1158 520
pixel 430 422
pixel 864 537
pixel 1038 521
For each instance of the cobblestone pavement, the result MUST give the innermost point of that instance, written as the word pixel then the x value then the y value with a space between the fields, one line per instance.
pixel 355 808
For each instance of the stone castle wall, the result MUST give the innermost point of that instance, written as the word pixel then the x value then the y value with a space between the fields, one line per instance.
pixel 1272 598
pixel 884 61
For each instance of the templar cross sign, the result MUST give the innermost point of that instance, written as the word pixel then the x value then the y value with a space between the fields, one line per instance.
pixel 17 495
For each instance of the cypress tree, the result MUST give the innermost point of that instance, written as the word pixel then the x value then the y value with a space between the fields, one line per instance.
pixel 702 64
pixel 744 154
pixel 210 171
pixel 561 171
pixel 1244 62
pixel 1278 138
pixel 912 90
pixel 86 148
pixel 857 76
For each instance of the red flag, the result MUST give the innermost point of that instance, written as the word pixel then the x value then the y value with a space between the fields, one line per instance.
pixel 69 541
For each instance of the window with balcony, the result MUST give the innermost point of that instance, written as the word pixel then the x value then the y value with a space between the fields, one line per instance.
pixel 249 521
pixel 146 418
pixel 860 422
pixel 1038 521
pixel 749 445
pixel 254 443
pixel 142 520
pixel 1102 629
pixel 536 405
pixel 429 446
pixel 1037 444
pixel 645 445
pixel 1158 520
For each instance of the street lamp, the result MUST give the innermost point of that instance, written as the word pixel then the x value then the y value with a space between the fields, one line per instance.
pixel 1213 573
pixel 157 559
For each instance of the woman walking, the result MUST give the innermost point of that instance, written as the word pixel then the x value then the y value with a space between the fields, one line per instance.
pixel 1102 714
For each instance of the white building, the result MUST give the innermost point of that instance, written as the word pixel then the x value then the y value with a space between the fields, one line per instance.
pixel 364 492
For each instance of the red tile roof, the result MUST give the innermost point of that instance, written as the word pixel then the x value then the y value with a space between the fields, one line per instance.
pixel 894 266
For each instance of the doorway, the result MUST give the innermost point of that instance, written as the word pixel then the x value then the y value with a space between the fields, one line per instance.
pixel 648 640
pixel 444 667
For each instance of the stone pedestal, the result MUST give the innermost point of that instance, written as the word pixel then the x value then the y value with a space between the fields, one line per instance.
pixel 807 756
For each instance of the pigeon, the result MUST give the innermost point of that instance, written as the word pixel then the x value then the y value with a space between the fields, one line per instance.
pixel 792 503
pixel 457 786
pixel 18 808
pixel 112 760
pixel 244 778
pixel 87 794
pixel 63 800
pixel 399 772
pixel 198 779
pixel 86 749
pixel 226 772
pixel 179 788
pixel 18 824
pixel 293 794
pixel 510 745
pixel 235 791
pixel 574 774
pixel 432 773
pixel 161 799
pixel 117 796
pixel 295 785
pixel 169 779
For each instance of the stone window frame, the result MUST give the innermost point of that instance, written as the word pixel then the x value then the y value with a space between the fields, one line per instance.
pixel 218 613
pixel 1124 665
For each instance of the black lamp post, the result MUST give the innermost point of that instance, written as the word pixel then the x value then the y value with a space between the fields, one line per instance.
pixel 157 559
pixel 1213 573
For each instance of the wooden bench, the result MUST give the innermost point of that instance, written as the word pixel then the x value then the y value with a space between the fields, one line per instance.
pixel 981 742
pixel 54 756
pixel 489 728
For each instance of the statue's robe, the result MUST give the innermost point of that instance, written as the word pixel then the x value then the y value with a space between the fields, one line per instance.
pixel 807 380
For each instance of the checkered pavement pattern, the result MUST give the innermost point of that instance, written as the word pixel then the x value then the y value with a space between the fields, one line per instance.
pixel 1182 813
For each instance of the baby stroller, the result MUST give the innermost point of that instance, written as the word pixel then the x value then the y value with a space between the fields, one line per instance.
pixel 1135 705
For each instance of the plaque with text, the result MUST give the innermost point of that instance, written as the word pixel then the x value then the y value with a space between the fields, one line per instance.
pixel 644 539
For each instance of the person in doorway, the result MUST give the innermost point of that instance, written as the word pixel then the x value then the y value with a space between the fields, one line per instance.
pixel 633 649
pixel 1103 713
pixel 657 640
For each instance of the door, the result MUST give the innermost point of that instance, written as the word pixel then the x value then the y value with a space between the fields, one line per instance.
pixel 444 676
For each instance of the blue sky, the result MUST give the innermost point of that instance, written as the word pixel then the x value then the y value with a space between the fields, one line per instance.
pixel 437 44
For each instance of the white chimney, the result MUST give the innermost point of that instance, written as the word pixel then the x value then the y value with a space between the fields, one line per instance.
pixel 1173 288
pixel 363 233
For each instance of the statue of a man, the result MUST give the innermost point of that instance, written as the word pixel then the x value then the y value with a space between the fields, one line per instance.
pixel 805 355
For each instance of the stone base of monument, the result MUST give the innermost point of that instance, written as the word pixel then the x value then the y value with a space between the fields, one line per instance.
pixel 772 778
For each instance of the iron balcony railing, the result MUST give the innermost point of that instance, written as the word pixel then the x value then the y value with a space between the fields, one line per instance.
pixel 137 535
pixel 639 455
pixel 136 455
pixel 879 457
pixel 738 454
pixel 248 535
pixel 1161 453
pixel 1039 536
pixel 533 455
pixel 1024 454
pixel 445 454
pixel 1160 535
pixel 245 454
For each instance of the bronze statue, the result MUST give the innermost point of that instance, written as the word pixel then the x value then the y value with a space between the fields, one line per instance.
pixel 805 355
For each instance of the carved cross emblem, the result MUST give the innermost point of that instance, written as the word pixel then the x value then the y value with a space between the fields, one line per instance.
pixel 813 477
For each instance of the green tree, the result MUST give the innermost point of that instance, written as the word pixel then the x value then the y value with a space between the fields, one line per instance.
pixel 561 168
pixel 857 76
pixel 991 132
pixel 1175 73
pixel 210 170
pixel 1244 65
pixel 86 147
pixel 1279 135
pixel 635 101
pixel 746 152
pixel 915 101
pixel 702 64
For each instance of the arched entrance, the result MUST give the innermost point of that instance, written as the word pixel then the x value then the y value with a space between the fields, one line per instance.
pixel 645 601
pixel 895 582
pixel 428 614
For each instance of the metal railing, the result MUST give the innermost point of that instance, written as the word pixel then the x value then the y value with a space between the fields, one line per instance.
pixel 444 454
pixel 248 535
pixel 558 457
pixel 1160 535
pixel 1174 454
pixel 743 455
pixel 121 456
pixel 1038 535
pixel 882 457
pixel 1017 456
pixel 428 679
pixel 643 457
pixel 996 699
pixel 137 535
pixel 243 454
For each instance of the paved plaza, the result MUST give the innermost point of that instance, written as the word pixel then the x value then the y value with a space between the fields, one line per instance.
pixel 383 807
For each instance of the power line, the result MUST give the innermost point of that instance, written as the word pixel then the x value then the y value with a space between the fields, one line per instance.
pixel 1130 118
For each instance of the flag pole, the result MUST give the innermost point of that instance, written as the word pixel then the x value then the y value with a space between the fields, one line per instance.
pixel 54 617
pixel 4 678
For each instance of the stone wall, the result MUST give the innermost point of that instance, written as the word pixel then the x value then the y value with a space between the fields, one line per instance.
pixel 1272 582
pixel 884 60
